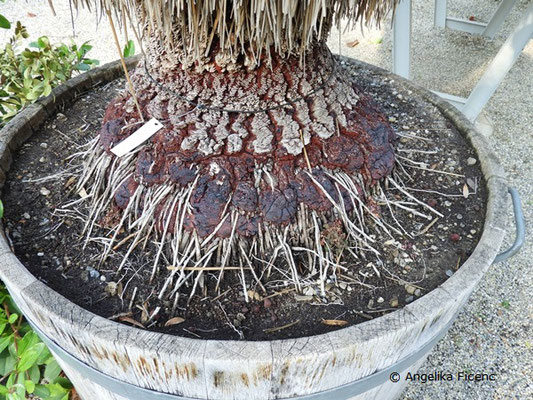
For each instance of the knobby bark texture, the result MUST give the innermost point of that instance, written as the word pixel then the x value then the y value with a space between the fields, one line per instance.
pixel 266 153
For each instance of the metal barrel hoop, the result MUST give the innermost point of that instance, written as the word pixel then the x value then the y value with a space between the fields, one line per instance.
pixel 520 228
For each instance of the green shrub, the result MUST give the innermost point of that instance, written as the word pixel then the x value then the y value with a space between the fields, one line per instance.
pixel 26 365
pixel 27 369
pixel 31 73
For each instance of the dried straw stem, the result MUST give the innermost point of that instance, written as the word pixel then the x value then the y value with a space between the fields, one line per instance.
pixel 243 27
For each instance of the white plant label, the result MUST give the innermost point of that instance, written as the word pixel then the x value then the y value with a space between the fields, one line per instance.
pixel 137 138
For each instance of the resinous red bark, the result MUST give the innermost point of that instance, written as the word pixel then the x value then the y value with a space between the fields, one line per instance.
pixel 243 153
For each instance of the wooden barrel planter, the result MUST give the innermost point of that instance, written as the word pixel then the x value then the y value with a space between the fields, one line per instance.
pixel 109 361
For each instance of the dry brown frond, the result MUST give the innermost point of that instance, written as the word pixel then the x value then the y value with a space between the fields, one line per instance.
pixel 247 27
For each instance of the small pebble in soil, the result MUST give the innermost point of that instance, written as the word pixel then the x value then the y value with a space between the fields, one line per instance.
pixel 40 254
pixel 449 272
pixel 267 303
pixel 394 302
pixel 93 273
pixel 44 145
pixel 26 215
pixel 459 216
pixel 409 299
pixel 418 292
pixel 410 289
pixel 380 300
pixel 42 160
pixel 471 161
pixel 454 237
pixel 103 278
pixel 432 203
pixel 111 288
pixel 45 192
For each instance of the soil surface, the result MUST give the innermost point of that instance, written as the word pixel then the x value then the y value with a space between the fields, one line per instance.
pixel 434 162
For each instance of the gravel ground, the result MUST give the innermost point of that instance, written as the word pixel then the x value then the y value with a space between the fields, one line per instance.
pixel 493 333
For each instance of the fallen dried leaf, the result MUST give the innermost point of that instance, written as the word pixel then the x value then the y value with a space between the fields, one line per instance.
pixel 174 321
pixel 144 313
pixel 131 321
pixel 353 43
pixel 472 183
pixel 466 192
pixel 334 322
pixel 279 328
pixel 70 181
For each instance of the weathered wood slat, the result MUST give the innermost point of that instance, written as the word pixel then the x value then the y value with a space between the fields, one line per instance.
pixel 87 389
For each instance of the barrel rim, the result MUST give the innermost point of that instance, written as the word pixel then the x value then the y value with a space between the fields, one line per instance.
pixel 22 283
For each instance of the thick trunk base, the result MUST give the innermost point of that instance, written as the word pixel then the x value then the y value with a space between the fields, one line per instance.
pixel 291 172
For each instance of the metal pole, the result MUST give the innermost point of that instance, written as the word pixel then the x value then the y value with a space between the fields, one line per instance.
pixel 498 18
pixel 401 45
pixel 440 13
pixel 500 66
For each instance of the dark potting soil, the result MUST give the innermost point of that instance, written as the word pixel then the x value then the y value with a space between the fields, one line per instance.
pixel 437 165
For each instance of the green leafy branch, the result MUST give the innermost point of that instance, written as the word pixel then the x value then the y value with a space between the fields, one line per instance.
pixel 33 72
pixel 26 365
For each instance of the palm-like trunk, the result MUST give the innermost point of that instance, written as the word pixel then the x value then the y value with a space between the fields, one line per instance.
pixel 268 147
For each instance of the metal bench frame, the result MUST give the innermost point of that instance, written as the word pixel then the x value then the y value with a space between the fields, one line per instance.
pixel 495 72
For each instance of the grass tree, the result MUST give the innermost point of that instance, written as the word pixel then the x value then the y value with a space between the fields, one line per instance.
pixel 270 156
